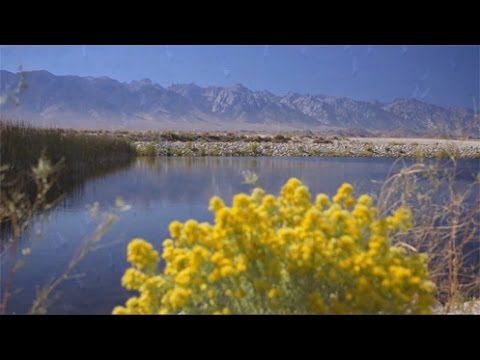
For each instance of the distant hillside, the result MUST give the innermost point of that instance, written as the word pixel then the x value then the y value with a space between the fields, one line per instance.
pixel 86 102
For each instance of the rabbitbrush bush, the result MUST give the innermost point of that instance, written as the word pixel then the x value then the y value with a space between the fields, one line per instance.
pixel 281 255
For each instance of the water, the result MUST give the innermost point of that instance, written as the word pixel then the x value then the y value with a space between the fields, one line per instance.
pixel 161 190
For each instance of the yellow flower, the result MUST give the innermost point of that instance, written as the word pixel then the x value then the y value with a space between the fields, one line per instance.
pixel 272 293
pixel 283 254
pixel 415 280
pixel 239 293
pixel 343 196
pixel 214 276
pixel 226 271
pixel 120 310
pixel 241 201
pixel 183 277
pixel 133 279
pixel 175 229
pixel 241 266
pixel 141 254
pixel 216 204
pixel 322 200
pixel 302 195
pixel 268 201
pixel 317 304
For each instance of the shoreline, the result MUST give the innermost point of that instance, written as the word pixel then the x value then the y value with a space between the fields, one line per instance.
pixel 350 147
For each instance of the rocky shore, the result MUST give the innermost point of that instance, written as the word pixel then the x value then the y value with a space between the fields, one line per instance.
pixel 471 307
pixel 342 147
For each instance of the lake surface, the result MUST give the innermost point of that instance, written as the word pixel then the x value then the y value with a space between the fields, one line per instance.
pixel 159 191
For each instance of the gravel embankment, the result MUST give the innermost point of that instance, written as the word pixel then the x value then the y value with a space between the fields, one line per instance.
pixel 466 308
pixel 350 148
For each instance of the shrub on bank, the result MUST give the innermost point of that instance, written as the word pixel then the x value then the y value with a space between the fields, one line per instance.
pixel 284 255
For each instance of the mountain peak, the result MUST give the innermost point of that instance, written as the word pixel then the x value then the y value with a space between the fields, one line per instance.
pixel 6 72
pixel 265 93
pixel 184 86
pixel 407 100
pixel 145 104
pixel 240 87
pixel 292 94
pixel 43 72
pixel 142 82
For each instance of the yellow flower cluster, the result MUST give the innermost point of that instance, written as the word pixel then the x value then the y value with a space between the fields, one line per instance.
pixel 284 254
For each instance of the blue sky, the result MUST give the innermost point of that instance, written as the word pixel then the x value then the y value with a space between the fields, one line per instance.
pixel 444 75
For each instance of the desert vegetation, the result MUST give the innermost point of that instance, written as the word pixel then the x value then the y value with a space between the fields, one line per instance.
pixel 410 248
pixel 284 255
pixel 81 156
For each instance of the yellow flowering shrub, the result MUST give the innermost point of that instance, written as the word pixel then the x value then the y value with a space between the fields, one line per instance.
pixel 282 255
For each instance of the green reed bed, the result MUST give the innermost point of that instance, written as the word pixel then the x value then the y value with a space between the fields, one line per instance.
pixel 83 156
pixel 21 145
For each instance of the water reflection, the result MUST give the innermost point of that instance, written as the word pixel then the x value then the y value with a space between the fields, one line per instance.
pixel 69 186
pixel 161 190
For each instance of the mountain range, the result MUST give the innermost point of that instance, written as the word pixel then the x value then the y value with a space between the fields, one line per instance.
pixel 44 99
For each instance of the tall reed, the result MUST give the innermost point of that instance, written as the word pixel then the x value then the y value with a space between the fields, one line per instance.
pixel 82 157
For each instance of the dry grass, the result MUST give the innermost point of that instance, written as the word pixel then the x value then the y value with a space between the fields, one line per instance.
pixel 446 224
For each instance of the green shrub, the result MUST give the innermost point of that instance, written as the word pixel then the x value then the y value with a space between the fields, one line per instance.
pixel 149 150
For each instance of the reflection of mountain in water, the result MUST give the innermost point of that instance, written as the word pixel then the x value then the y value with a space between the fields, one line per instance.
pixel 69 187
pixel 161 190
pixel 73 187
pixel 193 180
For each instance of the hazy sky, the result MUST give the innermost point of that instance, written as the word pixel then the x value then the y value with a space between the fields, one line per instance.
pixel 444 75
